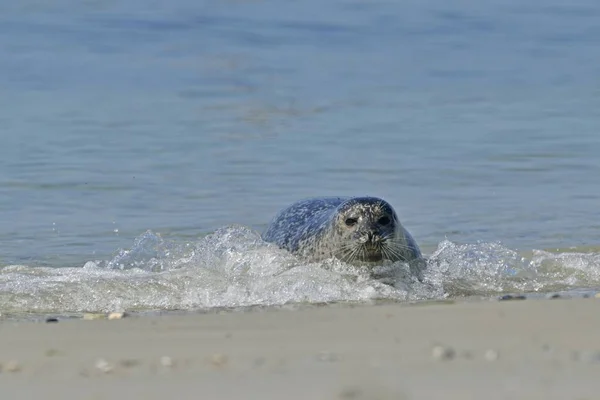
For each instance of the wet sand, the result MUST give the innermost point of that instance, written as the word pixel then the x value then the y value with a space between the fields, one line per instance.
pixel 531 349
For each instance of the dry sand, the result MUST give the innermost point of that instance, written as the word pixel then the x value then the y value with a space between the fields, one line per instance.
pixel 531 349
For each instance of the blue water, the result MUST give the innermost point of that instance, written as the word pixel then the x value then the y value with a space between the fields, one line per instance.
pixel 133 130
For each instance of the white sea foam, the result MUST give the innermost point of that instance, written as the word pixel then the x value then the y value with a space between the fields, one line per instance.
pixel 233 267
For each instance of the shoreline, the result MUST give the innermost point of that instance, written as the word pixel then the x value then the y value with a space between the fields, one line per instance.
pixel 488 349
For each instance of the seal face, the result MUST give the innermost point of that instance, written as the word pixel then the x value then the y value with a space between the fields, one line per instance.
pixel 356 230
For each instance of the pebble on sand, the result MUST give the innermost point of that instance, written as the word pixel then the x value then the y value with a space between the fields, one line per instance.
pixel 260 361
pixel 512 297
pixel 129 363
pixel 443 352
pixel 491 355
pixel 52 352
pixel 327 356
pixel 592 357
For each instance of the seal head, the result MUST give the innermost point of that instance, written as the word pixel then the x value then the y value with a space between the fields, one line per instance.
pixel 366 231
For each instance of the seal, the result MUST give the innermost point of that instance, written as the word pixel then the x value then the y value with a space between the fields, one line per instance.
pixel 355 230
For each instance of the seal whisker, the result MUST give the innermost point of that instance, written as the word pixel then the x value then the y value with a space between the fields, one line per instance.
pixel 393 253
pixel 354 255
pixel 386 251
pixel 351 253
pixel 399 244
pixel 363 251
pixel 347 251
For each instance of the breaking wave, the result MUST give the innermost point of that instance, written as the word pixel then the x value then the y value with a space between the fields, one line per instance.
pixel 234 268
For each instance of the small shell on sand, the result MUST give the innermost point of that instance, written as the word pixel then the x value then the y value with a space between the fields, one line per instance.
pixel 166 361
pixel 116 315
pixel 92 316
pixel 112 315
pixel 218 360
pixel 11 366
pixel 104 366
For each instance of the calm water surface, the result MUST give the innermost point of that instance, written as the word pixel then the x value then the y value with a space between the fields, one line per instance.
pixel 133 130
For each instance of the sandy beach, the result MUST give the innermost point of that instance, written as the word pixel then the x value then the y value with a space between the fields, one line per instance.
pixel 531 349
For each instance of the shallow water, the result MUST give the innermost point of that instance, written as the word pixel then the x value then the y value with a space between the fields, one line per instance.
pixel 133 131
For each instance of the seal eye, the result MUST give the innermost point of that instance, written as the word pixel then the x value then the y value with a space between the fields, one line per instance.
pixel 351 221
pixel 384 220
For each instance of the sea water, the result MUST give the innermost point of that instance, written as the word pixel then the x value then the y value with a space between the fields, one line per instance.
pixel 145 146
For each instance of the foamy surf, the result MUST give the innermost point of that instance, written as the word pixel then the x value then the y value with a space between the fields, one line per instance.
pixel 234 268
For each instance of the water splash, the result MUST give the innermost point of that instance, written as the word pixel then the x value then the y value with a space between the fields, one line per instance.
pixel 480 269
pixel 233 268
pixel 490 268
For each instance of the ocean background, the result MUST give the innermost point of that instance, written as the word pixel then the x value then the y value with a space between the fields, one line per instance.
pixel 146 144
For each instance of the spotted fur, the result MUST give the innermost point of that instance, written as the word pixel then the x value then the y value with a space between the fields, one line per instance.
pixel 357 230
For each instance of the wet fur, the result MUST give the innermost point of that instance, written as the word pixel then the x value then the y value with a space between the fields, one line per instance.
pixel 314 229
